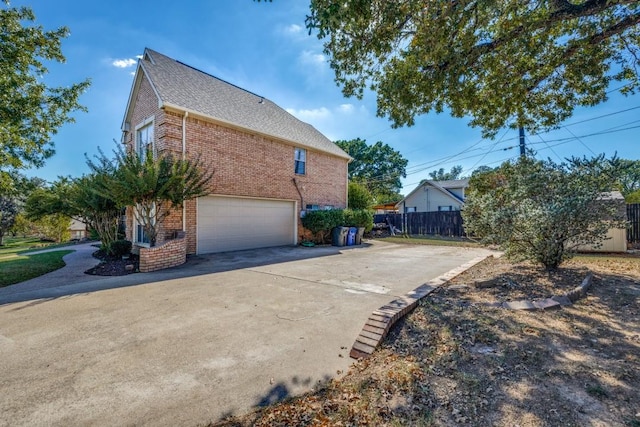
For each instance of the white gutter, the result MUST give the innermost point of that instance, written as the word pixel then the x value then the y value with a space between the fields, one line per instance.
pixel 184 155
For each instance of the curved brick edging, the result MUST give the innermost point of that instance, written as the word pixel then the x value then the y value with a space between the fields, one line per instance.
pixel 381 320
pixel 170 254
pixel 569 298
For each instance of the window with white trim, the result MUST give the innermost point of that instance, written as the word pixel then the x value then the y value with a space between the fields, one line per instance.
pixel 141 236
pixel 144 140
pixel 300 161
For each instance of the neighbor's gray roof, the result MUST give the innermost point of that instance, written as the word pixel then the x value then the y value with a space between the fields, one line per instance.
pixel 180 85
pixel 452 183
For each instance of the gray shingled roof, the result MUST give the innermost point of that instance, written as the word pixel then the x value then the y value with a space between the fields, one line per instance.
pixel 180 85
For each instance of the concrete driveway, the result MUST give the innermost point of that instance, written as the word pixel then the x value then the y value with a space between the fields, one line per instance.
pixel 190 345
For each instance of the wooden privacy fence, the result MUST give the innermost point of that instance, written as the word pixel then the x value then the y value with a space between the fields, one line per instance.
pixel 633 216
pixel 423 223
pixel 450 223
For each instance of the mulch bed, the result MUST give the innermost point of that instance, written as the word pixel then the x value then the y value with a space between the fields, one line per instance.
pixel 110 266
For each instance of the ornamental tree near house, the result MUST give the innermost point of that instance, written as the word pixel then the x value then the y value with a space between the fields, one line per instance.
pixel 80 198
pixel 542 211
pixel 153 184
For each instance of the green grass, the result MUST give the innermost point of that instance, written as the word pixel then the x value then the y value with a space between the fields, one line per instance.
pixel 16 245
pixel 16 265
pixel 432 240
pixel 18 268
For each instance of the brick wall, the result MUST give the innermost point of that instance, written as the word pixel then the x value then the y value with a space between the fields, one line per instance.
pixel 243 164
pixel 170 254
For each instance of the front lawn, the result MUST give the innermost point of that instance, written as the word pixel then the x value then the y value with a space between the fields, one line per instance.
pixel 17 265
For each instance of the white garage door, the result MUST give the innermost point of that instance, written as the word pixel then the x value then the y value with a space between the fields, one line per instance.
pixel 233 224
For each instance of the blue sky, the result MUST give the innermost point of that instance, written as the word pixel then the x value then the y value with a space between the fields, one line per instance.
pixel 264 47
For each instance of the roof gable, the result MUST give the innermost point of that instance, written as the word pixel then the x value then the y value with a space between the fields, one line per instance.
pixel 183 87
pixel 442 186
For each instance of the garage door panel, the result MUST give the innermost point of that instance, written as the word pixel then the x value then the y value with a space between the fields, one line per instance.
pixel 230 224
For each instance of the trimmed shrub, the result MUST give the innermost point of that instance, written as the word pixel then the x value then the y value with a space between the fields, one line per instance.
pixel 320 223
pixel 358 218
pixel 119 248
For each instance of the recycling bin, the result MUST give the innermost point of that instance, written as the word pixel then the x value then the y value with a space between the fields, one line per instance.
pixel 359 235
pixel 339 236
pixel 351 237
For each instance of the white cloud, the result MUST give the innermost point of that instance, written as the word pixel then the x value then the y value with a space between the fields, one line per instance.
pixel 310 115
pixel 308 57
pixel 293 29
pixel 346 108
pixel 124 63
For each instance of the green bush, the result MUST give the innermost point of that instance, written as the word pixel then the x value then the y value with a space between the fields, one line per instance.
pixel 359 196
pixel 119 248
pixel 321 223
pixel 358 218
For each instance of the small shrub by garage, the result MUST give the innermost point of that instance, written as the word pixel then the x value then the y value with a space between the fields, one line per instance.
pixel 320 223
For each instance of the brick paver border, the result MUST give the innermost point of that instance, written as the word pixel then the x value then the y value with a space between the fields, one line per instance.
pixel 381 320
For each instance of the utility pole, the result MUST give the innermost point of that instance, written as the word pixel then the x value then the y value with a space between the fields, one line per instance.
pixel 522 146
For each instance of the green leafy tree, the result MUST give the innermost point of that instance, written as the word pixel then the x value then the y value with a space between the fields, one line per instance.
pixel 81 199
pixel 30 111
pixel 542 211
pixel 503 63
pixel 441 175
pixel 627 175
pixel 378 167
pixel 22 226
pixel 153 185
pixel 359 196
pixel 8 212
pixel 633 197
pixel 54 227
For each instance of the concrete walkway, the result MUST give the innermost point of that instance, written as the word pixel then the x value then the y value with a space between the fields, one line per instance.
pixel 192 344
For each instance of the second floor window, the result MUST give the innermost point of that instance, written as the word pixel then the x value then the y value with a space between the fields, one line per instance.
pixel 144 140
pixel 300 166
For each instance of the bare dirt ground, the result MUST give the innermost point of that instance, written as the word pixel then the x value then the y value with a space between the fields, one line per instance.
pixel 457 360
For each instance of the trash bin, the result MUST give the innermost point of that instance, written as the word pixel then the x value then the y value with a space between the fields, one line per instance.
pixel 359 235
pixel 339 236
pixel 351 237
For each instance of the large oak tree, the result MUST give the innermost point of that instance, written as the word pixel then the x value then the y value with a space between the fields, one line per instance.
pixel 378 167
pixel 502 62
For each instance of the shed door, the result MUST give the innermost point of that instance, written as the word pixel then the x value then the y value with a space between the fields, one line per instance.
pixel 234 223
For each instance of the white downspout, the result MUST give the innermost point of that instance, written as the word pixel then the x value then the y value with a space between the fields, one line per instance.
pixel 184 156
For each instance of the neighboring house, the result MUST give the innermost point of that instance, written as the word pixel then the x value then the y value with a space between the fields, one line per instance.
pixel 268 166
pixel 435 196
pixel 78 230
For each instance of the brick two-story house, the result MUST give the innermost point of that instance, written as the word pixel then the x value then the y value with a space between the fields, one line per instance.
pixel 267 165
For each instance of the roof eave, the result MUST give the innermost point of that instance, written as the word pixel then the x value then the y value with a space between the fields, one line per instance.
pixel 137 80
pixel 194 113
pixel 434 185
